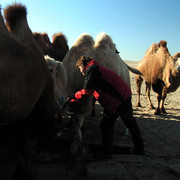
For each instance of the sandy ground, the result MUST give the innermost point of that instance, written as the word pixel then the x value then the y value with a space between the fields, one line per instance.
pixel 161 136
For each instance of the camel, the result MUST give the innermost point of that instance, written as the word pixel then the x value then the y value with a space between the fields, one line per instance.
pixel 27 91
pixel 161 72
pixel 59 76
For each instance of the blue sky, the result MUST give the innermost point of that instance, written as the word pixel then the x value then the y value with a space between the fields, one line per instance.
pixel 132 24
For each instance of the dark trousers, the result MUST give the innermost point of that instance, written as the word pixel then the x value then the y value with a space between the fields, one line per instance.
pixel 125 111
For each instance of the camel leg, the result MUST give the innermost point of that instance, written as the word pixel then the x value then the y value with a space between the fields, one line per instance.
pixel 139 81
pixel 148 88
pixel 164 93
pixel 157 111
pixel 158 88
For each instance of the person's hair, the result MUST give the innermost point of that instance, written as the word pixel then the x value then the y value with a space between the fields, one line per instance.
pixel 83 61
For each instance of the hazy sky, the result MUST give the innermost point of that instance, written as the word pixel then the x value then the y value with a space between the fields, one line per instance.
pixel 132 24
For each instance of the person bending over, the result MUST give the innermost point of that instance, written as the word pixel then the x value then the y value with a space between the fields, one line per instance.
pixel 114 95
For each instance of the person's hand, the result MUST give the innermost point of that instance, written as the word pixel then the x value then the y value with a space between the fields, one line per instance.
pixel 72 96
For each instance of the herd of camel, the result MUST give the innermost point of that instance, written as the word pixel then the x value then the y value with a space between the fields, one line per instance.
pixel 37 76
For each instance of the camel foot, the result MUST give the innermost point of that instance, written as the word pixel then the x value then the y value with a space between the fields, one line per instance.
pixel 163 111
pixel 138 105
pixel 157 112
pixel 151 107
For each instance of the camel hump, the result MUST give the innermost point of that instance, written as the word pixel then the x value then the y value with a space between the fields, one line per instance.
pixel 14 13
pixel 84 39
pixel 46 38
pixel 59 38
pixel 104 42
pixel 102 38
pixel 162 43
pixel 42 36
pixel 37 35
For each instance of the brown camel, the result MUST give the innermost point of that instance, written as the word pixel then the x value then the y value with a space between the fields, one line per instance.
pixel 27 91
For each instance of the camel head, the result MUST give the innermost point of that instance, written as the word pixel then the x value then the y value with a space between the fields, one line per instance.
pixel 174 72
pixel 83 105
pixel 176 56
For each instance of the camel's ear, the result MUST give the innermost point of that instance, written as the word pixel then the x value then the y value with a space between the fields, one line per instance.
pixel 117 52
pixel 162 43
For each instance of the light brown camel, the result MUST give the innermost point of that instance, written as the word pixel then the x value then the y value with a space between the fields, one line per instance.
pixel 161 72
